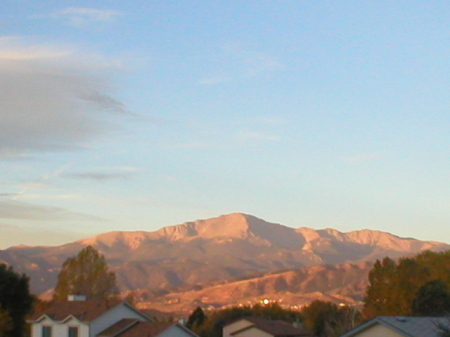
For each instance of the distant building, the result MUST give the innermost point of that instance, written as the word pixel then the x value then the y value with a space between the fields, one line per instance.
pixel 395 326
pixel 100 318
pixel 259 327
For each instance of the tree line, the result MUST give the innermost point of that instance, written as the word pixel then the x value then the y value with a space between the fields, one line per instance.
pixel 418 286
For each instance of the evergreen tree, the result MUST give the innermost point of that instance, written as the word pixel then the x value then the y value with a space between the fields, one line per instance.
pixel 320 317
pixel 196 319
pixel 6 323
pixel 86 274
pixel 15 302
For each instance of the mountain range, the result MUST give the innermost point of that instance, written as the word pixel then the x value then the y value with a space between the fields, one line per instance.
pixel 243 255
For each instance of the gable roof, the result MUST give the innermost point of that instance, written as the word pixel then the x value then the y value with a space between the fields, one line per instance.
pixel 85 311
pixel 276 328
pixel 140 329
pixel 407 326
pixel 121 326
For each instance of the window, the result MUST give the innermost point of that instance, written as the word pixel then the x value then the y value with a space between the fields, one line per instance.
pixel 46 331
pixel 73 331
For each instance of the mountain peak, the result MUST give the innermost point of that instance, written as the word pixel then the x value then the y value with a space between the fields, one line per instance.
pixel 235 225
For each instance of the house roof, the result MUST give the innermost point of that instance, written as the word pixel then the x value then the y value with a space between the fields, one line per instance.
pixel 276 328
pixel 407 326
pixel 118 327
pixel 140 329
pixel 85 311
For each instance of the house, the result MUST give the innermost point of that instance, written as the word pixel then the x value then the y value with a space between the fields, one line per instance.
pixel 395 326
pixel 78 317
pixel 259 327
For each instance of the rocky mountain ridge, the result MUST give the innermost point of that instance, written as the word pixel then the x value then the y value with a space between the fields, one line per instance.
pixel 222 248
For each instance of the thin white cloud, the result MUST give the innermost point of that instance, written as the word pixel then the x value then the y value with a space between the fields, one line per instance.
pixel 8 195
pixel 86 17
pixel 12 50
pixel 99 176
pixel 51 99
pixel 31 196
pixel 102 174
pixel 17 210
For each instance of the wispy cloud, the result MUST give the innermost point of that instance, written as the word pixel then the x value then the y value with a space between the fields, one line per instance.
pixel 8 195
pixel 86 17
pixel 18 210
pixel 104 102
pixel 12 50
pixel 102 175
pixel 97 176
pixel 51 99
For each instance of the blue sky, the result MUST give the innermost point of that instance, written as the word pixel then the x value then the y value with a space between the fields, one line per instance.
pixel 137 115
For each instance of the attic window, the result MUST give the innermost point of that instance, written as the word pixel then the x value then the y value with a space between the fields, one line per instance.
pixel 46 331
pixel 73 331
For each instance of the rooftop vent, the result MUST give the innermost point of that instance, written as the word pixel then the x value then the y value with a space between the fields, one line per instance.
pixel 76 298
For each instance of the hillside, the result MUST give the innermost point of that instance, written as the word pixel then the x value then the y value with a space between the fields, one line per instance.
pixel 294 288
pixel 229 246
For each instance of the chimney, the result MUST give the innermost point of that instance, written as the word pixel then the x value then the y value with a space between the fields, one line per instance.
pixel 76 298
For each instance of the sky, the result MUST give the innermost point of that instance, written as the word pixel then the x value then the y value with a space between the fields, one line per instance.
pixel 135 115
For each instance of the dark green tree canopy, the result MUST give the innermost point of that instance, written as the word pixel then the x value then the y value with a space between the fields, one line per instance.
pixel 86 274
pixel 15 302
pixel 324 318
pixel 432 299
pixel 196 319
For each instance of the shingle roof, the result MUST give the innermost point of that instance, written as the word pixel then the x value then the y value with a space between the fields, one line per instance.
pixel 407 326
pixel 276 328
pixel 118 327
pixel 145 329
pixel 83 310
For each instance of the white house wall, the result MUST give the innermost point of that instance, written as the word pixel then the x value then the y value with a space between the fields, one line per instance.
pixel 58 329
pixel 113 316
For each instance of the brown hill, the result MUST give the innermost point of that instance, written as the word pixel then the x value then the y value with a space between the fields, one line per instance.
pixel 344 283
